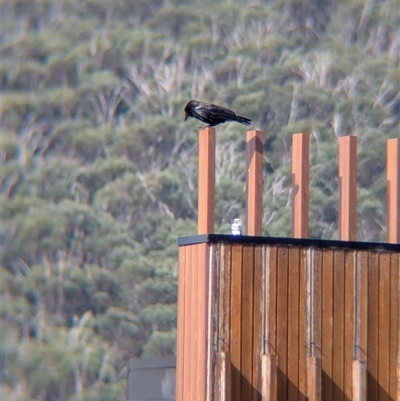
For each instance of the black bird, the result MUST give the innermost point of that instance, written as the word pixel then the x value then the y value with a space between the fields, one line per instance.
pixel 212 114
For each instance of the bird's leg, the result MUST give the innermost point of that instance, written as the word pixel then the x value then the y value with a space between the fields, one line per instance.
pixel 201 128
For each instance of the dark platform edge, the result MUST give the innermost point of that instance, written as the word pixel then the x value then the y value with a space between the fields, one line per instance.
pixel 306 243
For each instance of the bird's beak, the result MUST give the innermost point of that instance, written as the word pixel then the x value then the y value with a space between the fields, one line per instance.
pixel 186 116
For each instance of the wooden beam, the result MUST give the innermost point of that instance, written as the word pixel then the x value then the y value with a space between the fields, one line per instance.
pixel 300 184
pixel 223 368
pixel 347 188
pixel 359 381
pixel 268 377
pixel 206 205
pixel 314 373
pixel 254 181
pixel 393 190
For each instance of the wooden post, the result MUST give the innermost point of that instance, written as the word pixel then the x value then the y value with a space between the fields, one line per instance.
pixel 398 382
pixel 393 190
pixel 268 377
pixel 348 188
pixel 359 381
pixel 206 205
pixel 223 368
pixel 254 181
pixel 314 371
pixel 300 184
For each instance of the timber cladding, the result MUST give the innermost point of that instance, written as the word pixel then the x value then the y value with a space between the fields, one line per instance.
pixel 259 321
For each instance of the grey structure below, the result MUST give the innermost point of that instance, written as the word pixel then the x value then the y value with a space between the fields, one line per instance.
pixel 151 379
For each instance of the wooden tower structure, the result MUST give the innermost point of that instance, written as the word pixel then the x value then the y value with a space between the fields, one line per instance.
pixel 268 319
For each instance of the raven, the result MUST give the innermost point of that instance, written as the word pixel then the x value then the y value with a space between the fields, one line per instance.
pixel 212 114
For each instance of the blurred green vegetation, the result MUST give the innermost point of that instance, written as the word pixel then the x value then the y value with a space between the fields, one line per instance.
pixel 99 171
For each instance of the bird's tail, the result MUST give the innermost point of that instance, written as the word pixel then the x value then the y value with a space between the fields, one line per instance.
pixel 243 120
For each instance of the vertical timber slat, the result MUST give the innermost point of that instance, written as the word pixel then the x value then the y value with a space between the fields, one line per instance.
pixel 300 184
pixel 191 269
pixel 254 181
pixel 338 324
pixel 206 203
pixel 236 320
pixel 282 323
pixel 361 308
pixel 202 321
pixel 359 373
pixel 293 324
pixel 347 188
pixel 303 329
pixel 384 326
pixel 193 335
pixel 258 332
pixel 373 326
pixel 393 190
pixel 268 377
pixel 349 318
pixel 327 324
pixel 247 323
pixel 223 367
pixel 271 301
pixel 394 321
pixel 314 379
pixel 180 367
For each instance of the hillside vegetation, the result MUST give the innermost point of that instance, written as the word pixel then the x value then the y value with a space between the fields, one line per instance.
pixel 99 171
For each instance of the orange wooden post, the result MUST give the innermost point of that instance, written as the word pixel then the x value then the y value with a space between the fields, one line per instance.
pixel 393 190
pixel 359 380
pixel 254 181
pixel 268 377
pixel 314 371
pixel 223 379
pixel 206 196
pixel 300 184
pixel 348 188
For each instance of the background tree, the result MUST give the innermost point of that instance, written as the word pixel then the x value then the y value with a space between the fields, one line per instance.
pixel 99 171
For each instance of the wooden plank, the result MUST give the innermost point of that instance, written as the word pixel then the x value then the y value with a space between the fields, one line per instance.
pixel 304 348
pixel 282 323
pixel 373 326
pixel 206 194
pixel 268 377
pixel 180 341
pixel 393 189
pixel 271 301
pixel 193 334
pixel 347 188
pixel 254 181
pixel 211 315
pixel 359 373
pixel 338 325
pixel 327 324
pixel 300 184
pixel 236 320
pixel 384 326
pixel 314 368
pixel 361 299
pixel 201 317
pixel 349 318
pixel 223 378
pixel 225 299
pixel 394 350
pixel 247 322
pixel 190 333
pixel 258 312
pixel 316 343
pixel 398 382
pixel 293 324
